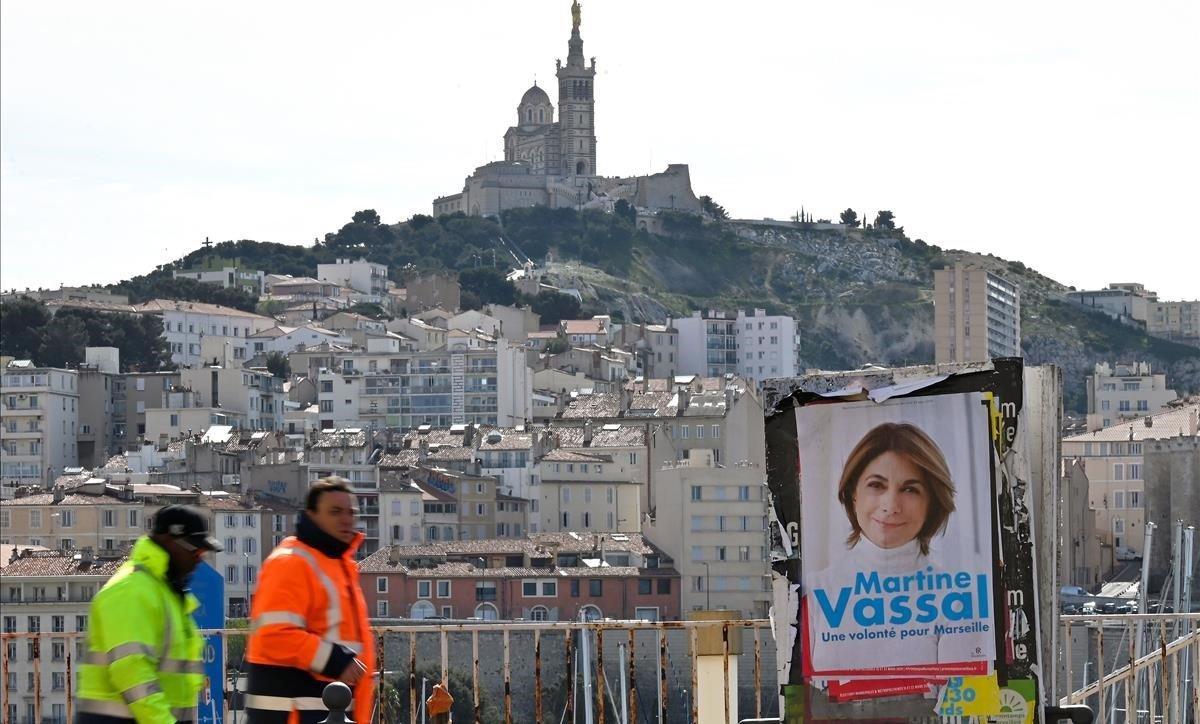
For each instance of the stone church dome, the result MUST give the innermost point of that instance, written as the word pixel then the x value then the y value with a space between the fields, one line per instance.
pixel 535 96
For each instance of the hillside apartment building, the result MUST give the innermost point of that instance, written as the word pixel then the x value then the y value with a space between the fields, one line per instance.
pixel 976 315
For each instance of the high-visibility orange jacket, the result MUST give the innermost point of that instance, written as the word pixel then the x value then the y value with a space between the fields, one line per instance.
pixel 308 622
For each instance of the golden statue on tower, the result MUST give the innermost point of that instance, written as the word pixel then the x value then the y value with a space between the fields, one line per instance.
pixel 575 11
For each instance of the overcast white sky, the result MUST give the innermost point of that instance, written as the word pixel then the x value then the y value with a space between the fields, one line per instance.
pixel 1061 134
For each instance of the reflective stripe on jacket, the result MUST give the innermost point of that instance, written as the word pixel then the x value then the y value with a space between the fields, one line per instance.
pixel 308 623
pixel 143 659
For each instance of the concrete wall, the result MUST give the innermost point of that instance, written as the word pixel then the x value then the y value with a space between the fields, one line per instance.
pixel 1172 474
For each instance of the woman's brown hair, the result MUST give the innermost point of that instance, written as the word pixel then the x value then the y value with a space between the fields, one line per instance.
pixel 911 442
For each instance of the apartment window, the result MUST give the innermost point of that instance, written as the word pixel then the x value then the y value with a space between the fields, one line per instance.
pixel 587 519
pixel 1118 471
pixel 566 521
pixel 58 624
pixel 110 518
pixel 230 520
pixel 58 651
pixel 249 545
pixel 664 585
pixel 424 589
pixel 685 431
pixel 716 431
pixel 231 573
pixel 743 553
pixel 697 493
pixel 1135 471
pixel 10 624
pixel 743 492
pixel 645 586
pixel 443 589
pixel 66 518
pixel 81 623
pixel 133 518
pixel 633 458
pixel 231 545
pixel 35 624
pixel 595 587
pixel 381 608
pixel 566 494
pixel 381 584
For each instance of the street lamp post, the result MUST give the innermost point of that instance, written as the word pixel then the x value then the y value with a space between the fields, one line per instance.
pixel 707 586
pixel 247 577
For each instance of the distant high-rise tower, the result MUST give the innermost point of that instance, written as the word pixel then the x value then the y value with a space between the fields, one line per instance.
pixel 576 106
pixel 976 315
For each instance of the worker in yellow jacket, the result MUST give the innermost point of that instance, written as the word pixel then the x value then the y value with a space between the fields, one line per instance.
pixel 143 660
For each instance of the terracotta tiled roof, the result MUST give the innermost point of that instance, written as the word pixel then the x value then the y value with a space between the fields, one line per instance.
pixel 403 458
pixel 69 499
pixel 583 326
pixel 595 406
pixel 61 563
pixel 1172 423
pixel 341 438
pixel 568 456
pixel 164 305
pixel 571 436
pixel 653 404
pixel 510 438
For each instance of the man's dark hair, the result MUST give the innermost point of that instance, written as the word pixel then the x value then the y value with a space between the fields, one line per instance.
pixel 322 486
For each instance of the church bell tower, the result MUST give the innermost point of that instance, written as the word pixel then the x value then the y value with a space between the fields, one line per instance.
pixel 576 107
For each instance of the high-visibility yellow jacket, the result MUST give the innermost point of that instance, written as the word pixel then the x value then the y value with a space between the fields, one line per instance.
pixel 309 621
pixel 143 659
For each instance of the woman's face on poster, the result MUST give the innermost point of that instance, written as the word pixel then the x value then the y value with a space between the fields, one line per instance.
pixel 891 500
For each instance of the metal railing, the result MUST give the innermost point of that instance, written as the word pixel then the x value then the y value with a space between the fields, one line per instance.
pixel 1132 668
pixel 511 671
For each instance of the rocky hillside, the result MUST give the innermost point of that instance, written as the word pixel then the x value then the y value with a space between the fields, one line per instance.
pixel 862 296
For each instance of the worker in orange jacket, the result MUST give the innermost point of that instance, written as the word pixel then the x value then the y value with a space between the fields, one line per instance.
pixel 309 619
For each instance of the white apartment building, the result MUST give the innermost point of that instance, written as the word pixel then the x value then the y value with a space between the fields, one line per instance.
pixel 588 492
pixel 389 387
pixel 284 339
pixel 353 454
pixel 226 277
pixel 1112 459
pixel 47 592
pixel 195 331
pixel 976 315
pixel 238 526
pixel 1178 321
pixel 39 416
pixel 768 345
pixel 1119 301
pixel 362 276
pixel 1123 392
pixel 401 511
pixel 253 394
pixel 712 520
pixel 708 343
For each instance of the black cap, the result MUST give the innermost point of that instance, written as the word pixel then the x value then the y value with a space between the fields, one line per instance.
pixel 185 524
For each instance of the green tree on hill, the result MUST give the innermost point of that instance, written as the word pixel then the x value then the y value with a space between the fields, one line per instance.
pixel 712 208
pixel 22 322
pixel 849 217
pixel 555 307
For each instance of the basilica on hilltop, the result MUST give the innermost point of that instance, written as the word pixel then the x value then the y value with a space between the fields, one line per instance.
pixel 552 162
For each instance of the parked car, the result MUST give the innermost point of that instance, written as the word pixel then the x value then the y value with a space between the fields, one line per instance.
pixel 1125 553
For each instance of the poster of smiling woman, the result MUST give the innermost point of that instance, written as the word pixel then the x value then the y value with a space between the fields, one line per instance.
pixel 896 534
